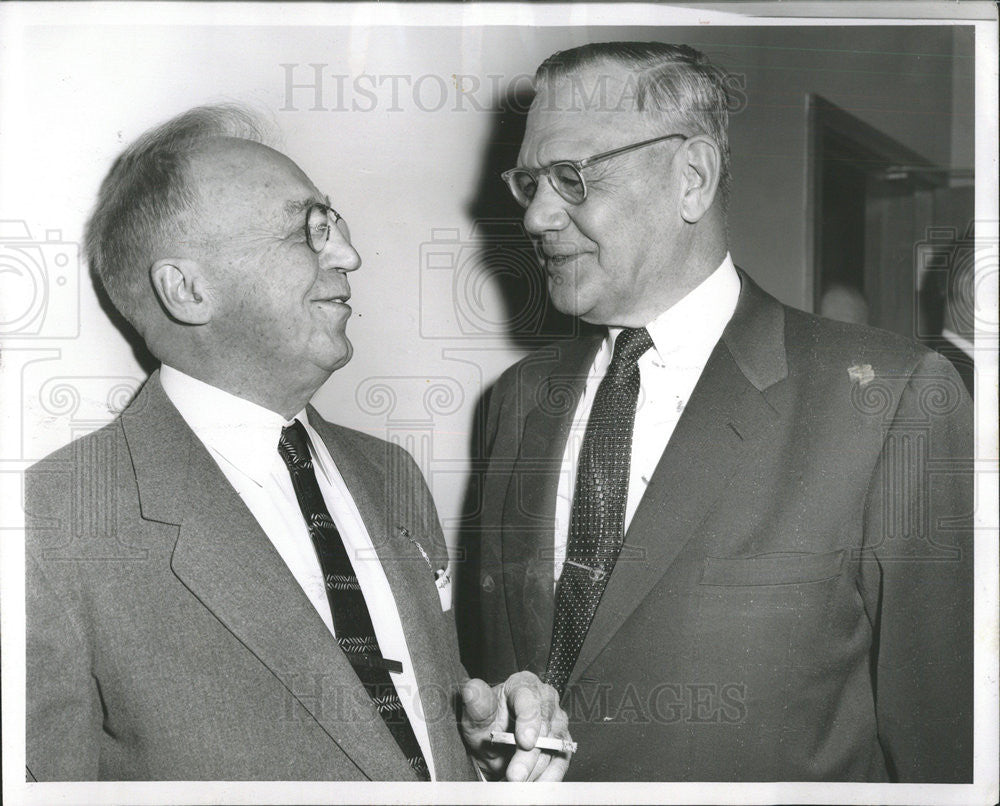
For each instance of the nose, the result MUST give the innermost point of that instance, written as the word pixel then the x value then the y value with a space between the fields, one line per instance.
pixel 546 212
pixel 339 254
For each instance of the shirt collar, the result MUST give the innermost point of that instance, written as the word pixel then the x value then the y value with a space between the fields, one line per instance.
pixel 242 433
pixel 697 319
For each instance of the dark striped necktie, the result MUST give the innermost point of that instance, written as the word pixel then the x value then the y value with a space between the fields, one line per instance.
pixel 352 622
pixel 597 520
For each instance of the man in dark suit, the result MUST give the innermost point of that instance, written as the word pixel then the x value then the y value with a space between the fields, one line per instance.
pixel 220 583
pixel 735 536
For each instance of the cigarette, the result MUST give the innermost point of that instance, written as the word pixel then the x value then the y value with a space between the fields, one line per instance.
pixel 542 742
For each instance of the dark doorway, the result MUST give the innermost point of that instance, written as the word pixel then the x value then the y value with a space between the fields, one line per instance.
pixel 874 203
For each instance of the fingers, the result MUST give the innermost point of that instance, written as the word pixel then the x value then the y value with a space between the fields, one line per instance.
pixel 480 714
pixel 556 769
pixel 527 763
pixel 544 765
pixel 480 706
pixel 533 707
pixel 544 757
pixel 521 764
pixel 558 763
pixel 552 766
pixel 526 701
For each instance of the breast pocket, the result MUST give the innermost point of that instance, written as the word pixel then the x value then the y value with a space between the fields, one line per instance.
pixel 771 569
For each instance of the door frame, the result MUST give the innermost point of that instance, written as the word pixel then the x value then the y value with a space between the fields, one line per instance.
pixel 877 154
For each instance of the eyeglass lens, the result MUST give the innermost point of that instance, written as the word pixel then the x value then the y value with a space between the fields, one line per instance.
pixel 318 226
pixel 567 181
pixel 563 176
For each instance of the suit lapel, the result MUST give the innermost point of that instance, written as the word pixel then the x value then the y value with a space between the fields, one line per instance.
pixel 224 558
pixel 727 418
pixel 723 423
pixel 529 508
pixel 411 579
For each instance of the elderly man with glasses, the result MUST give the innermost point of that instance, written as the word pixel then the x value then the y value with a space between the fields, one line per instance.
pixel 221 584
pixel 736 537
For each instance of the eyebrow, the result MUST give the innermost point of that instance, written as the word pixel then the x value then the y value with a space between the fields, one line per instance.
pixel 560 148
pixel 295 207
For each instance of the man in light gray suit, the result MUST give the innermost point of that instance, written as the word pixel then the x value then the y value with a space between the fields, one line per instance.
pixel 220 583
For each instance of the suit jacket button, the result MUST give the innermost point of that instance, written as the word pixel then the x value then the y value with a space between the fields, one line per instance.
pixel 488 584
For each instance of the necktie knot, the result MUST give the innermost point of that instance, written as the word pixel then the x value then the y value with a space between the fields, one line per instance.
pixel 629 348
pixel 293 446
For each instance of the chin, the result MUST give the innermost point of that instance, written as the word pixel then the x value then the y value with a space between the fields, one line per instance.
pixel 567 299
pixel 337 355
pixel 343 359
pixel 563 295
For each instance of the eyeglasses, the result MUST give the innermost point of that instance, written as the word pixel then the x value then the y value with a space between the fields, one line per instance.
pixel 318 225
pixel 566 176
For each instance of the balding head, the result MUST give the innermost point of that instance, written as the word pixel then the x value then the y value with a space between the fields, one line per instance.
pixel 227 259
pixel 146 202
pixel 664 86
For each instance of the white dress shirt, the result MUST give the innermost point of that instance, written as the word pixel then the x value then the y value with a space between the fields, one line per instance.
pixel 242 438
pixel 683 338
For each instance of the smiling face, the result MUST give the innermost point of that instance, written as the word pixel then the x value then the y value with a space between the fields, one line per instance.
pixel 618 258
pixel 279 310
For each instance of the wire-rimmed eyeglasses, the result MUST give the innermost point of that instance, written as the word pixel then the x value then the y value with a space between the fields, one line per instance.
pixel 566 176
pixel 318 225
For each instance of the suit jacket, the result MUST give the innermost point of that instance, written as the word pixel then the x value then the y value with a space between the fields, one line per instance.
pixel 167 639
pixel 793 599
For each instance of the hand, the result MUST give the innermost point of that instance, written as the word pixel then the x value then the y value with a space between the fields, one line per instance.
pixel 533 708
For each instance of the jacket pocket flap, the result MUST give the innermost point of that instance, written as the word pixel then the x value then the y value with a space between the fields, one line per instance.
pixel 772 569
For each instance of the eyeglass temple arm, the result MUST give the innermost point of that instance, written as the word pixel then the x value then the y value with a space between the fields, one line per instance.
pixel 606 155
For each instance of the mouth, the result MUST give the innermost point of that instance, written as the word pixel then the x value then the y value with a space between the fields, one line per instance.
pixel 557 253
pixel 340 299
pixel 334 304
pixel 558 259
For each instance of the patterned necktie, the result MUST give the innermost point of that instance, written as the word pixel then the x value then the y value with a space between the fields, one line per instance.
pixel 352 622
pixel 597 521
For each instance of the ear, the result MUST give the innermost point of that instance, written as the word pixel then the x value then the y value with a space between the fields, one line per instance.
pixel 700 177
pixel 182 290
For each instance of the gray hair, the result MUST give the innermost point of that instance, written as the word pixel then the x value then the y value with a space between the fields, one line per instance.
pixel 676 80
pixel 144 196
